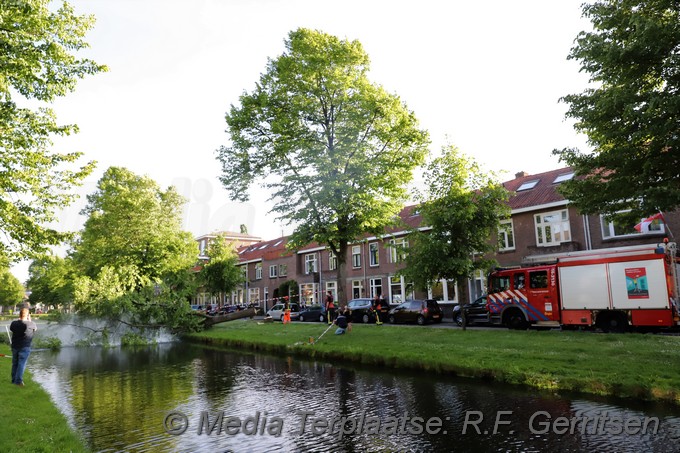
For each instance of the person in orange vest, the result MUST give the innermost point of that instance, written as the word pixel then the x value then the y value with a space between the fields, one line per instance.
pixel 377 304
pixel 330 307
pixel 286 313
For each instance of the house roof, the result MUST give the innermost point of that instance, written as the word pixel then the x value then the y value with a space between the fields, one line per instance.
pixel 537 190
pixel 269 250
pixel 529 191
pixel 230 235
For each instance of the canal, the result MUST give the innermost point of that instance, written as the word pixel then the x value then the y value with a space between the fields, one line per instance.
pixel 186 398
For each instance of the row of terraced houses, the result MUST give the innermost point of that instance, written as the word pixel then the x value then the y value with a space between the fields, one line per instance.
pixel 541 222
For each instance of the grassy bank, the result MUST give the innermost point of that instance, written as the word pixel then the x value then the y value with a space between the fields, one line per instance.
pixel 625 365
pixel 30 421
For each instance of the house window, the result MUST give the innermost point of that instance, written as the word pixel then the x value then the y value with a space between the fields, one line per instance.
pixel 258 271
pixel 552 228
pixel 332 261
pixel 308 293
pixel 310 263
pixel 357 288
pixel 617 228
pixel 528 185
pixel 398 250
pixel 373 254
pixel 283 270
pixel 376 286
pixel 356 256
pixel 400 290
pixel 272 271
pixel 506 236
pixel 253 295
pixel 333 288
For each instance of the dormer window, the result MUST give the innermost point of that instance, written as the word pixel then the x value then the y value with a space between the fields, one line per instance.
pixel 563 177
pixel 528 185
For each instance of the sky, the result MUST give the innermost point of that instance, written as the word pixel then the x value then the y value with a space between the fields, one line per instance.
pixel 484 76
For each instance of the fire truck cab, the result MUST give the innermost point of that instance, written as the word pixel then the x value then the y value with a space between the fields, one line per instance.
pixel 523 296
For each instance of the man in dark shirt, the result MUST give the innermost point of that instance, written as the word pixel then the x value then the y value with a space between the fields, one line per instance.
pixel 342 322
pixel 22 337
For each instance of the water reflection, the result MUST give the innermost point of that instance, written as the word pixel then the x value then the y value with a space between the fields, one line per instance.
pixel 120 400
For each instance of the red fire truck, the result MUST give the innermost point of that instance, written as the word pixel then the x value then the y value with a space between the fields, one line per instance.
pixel 612 289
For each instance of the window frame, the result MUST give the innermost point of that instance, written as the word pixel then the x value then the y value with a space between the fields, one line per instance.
pixel 503 232
pixel 373 254
pixel 356 257
pixel 543 229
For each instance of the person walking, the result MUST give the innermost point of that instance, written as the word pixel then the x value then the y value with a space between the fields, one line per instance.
pixel 22 336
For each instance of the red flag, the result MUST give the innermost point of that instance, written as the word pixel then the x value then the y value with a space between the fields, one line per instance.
pixel 643 226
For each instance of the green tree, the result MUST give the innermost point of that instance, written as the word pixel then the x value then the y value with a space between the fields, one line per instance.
pixel 11 289
pixel 631 115
pixel 50 280
pixel 37 66
pixel 462 205
pixel 220 275
pixel 132 256
pixel 336 150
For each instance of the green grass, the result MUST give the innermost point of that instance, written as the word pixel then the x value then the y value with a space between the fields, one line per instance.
pixel 638 366
pixel 30 421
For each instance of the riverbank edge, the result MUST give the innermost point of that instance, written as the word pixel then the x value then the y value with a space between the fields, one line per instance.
pixel 31 420
pixel 537 379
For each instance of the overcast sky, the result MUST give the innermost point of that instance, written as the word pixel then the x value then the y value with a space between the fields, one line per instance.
pixel 484 76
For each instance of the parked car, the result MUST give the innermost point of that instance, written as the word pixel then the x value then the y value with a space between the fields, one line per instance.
pixel 276 312
pixel 312 313
pixel 418 311
pixel 475 313
pixel 361 310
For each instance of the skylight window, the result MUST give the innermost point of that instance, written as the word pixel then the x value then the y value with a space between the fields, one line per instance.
pixel 528 185
pixel 264 247
pixel 564 177
pixel 277 243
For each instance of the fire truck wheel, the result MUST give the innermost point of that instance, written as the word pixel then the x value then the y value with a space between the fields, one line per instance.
pixel 615 322
pixel 515 320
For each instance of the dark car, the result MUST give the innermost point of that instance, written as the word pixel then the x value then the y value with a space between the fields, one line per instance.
pixel 475 313
pixel 312 313
pixel 418 311
pixel 361 310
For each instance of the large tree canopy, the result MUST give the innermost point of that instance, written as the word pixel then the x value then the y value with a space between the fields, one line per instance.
pixel 37 64
pixel 336 150
pixel 132 256
pixel 11 289
pixel 631 115
pixel 462 206
pixel 50 280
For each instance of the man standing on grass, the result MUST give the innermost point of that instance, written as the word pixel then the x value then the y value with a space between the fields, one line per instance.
pixel 22 337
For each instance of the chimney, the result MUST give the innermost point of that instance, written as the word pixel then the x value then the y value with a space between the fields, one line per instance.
pixel 521 174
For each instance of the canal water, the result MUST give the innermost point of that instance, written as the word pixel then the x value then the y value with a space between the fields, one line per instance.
pixel 185 398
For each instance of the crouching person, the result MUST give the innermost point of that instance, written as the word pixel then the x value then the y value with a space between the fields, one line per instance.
pixel 342 321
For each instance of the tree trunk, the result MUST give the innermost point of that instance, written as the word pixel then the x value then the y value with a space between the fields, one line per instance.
pixel 463 297
pixel 341 274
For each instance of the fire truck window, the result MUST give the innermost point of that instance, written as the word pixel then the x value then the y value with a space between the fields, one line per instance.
pixel 499 284
pixel 538 279
pixel 519 281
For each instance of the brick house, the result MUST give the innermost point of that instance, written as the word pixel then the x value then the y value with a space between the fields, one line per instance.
pixel 541 222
